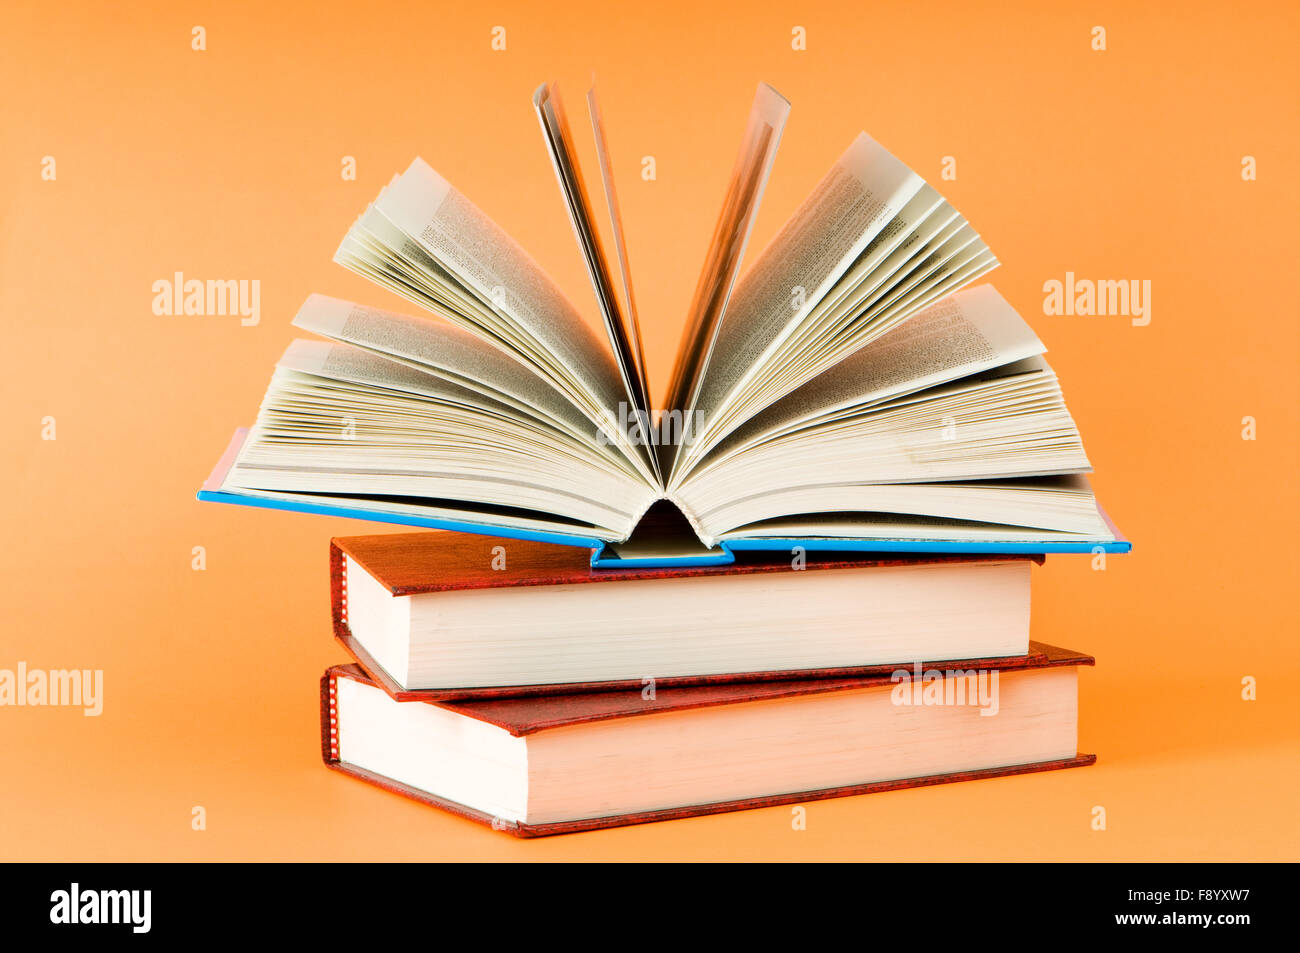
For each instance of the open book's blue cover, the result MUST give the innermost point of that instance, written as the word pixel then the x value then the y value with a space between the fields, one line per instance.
pixel 603 557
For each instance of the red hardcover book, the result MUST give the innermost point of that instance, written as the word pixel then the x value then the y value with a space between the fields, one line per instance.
pixel 561 764
pixel 441 616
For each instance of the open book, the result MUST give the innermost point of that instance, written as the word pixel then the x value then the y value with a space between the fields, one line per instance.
pixel 849 392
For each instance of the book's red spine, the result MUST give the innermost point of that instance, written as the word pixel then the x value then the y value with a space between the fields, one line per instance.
pixel 338 593
pixel 329 720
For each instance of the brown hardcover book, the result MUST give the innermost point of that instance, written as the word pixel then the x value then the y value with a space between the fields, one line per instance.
pixel 442 616
pixel 534 766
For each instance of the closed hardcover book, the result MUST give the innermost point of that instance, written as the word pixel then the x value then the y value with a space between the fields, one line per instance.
pixel 439 616
pixel 567 763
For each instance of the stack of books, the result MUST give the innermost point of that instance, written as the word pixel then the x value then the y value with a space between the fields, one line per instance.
pixel 806 575
pixel 544 696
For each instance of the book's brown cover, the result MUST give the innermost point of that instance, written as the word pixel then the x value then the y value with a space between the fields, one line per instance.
pixel 521 716
pixel 412 563
pixel 439 561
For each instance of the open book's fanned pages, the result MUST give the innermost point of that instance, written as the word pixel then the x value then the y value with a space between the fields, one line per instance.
pixel 745 188
pixel 614 308
pixel 347 692
pixel 608 554
pixel 849 393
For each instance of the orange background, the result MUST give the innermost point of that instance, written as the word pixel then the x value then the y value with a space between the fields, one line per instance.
pixel 226 164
